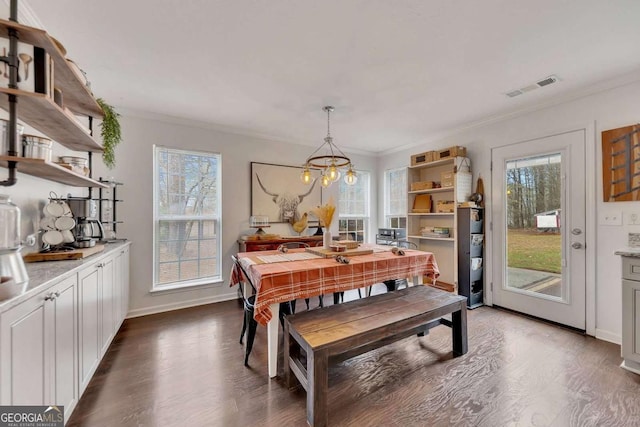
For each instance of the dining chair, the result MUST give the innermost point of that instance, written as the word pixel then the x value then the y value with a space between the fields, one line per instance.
pixel 338 297
pixel 395 284
pixel 249 324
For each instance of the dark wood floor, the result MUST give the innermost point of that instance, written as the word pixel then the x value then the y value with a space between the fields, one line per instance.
pixel 184 368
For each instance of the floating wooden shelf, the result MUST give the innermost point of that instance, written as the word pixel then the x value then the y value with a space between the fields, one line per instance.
pixel 440 239
pixel 432 164
pixel 42 113
pixel 431 214
pixel 77 96
pixel 432 190
pixel 51 171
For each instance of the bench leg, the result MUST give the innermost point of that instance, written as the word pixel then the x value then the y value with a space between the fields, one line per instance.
pixel 459 331
pixel 288 352
pixel 317 374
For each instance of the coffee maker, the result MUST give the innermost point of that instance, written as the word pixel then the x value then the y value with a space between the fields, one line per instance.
pixel 88 227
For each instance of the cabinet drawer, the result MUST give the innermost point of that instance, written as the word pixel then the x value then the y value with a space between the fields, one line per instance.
pixel 631 268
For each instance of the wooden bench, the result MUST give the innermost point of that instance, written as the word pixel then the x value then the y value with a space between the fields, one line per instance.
pixel 346 330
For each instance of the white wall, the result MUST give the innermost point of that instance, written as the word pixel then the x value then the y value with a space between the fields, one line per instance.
pixel 605 110
pixel 610 109
pixel 134 160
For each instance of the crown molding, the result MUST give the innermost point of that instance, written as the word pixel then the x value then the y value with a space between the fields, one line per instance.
pixel 602 86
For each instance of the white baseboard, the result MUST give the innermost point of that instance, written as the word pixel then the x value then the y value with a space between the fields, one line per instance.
pixel 182 304
pixel 608 336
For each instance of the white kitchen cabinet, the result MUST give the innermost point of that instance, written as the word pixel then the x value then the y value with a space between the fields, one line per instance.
pixel 121 286
pixel 631 313
pixel 38 349
pixel 52 341
pixel 97 325
pixel 89 323
pixel 107 318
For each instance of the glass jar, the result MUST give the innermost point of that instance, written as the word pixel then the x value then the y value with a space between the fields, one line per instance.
pixel 9 224
pixel 4 138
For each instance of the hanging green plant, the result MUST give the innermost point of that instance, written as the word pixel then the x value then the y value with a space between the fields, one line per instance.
pixel 110 133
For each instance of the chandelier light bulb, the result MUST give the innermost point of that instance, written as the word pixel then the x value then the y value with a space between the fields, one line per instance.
pixel 325 181
pixel 333 173
pixel 350 178
pixel 305 176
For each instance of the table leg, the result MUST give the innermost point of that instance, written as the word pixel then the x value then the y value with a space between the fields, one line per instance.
pixel 273 328
pixel 416 280
pixel 459 330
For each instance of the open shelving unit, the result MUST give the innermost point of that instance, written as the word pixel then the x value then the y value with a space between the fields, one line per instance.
pixel 50 171
pixel 445 249
pixel 42 113
pixel 77 96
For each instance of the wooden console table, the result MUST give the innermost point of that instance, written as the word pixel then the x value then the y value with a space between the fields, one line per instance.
pixel 245 245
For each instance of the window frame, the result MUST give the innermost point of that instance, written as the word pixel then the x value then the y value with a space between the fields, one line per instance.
pixel 388 215
pixel 157 218
pixel 366 232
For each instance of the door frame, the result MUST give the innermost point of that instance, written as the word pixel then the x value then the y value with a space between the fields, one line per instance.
pixel 590 217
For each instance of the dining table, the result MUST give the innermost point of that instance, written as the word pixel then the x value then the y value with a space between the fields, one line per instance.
pixel 299 273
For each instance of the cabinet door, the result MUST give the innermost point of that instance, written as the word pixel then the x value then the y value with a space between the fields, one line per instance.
pixel 125 282
pixel 106 305
pixel 65 345
pixel 631 320
pixel 24 369
pixel 89 323
pixel 117 290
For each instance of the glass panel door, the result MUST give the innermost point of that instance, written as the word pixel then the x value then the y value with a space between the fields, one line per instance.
pixel 533 227
pixel 538 215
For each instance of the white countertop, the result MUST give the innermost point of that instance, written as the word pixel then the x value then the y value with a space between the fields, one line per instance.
pixel 42 275
pixel 630 252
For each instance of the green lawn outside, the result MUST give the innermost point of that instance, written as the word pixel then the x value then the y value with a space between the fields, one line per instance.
pixel 534 250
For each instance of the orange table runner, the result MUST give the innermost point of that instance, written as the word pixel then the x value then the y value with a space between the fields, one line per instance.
pixel 286 281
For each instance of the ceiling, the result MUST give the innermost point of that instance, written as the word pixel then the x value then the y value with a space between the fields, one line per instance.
pixel 398 72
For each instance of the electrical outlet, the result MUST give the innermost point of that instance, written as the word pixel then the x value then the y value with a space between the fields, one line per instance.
pixel 610 218
pixel 633 218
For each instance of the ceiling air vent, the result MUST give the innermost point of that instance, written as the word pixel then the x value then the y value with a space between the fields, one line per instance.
pixel 541 83
pixel 547 81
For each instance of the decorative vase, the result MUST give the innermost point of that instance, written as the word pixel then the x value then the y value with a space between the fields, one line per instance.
pixel 326 239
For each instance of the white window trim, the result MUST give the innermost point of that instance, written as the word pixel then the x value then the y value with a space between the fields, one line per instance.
pixel 367 216
pixel 386 199
pixel 193 283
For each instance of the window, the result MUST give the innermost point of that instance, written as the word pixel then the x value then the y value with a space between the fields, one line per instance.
pixel 353 208
pixel 186 217
pixel 395 198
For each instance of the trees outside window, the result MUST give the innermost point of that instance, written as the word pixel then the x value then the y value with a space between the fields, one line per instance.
pixel 187 206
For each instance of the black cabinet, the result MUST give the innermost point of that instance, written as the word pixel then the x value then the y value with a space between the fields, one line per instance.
pixel 470 255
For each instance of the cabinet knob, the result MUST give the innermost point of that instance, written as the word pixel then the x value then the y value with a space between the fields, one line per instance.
pixel 50 296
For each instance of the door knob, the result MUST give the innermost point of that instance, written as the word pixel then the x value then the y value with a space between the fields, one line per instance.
pixel 576 232
pixel 576 245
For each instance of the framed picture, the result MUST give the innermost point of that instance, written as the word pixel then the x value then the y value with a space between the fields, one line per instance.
pixel 278 192
pixel 621 164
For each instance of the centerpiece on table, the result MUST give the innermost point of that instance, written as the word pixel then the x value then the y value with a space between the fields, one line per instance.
pixel 324 214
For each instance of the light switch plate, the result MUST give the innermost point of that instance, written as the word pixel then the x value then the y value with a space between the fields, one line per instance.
pixel 610 218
